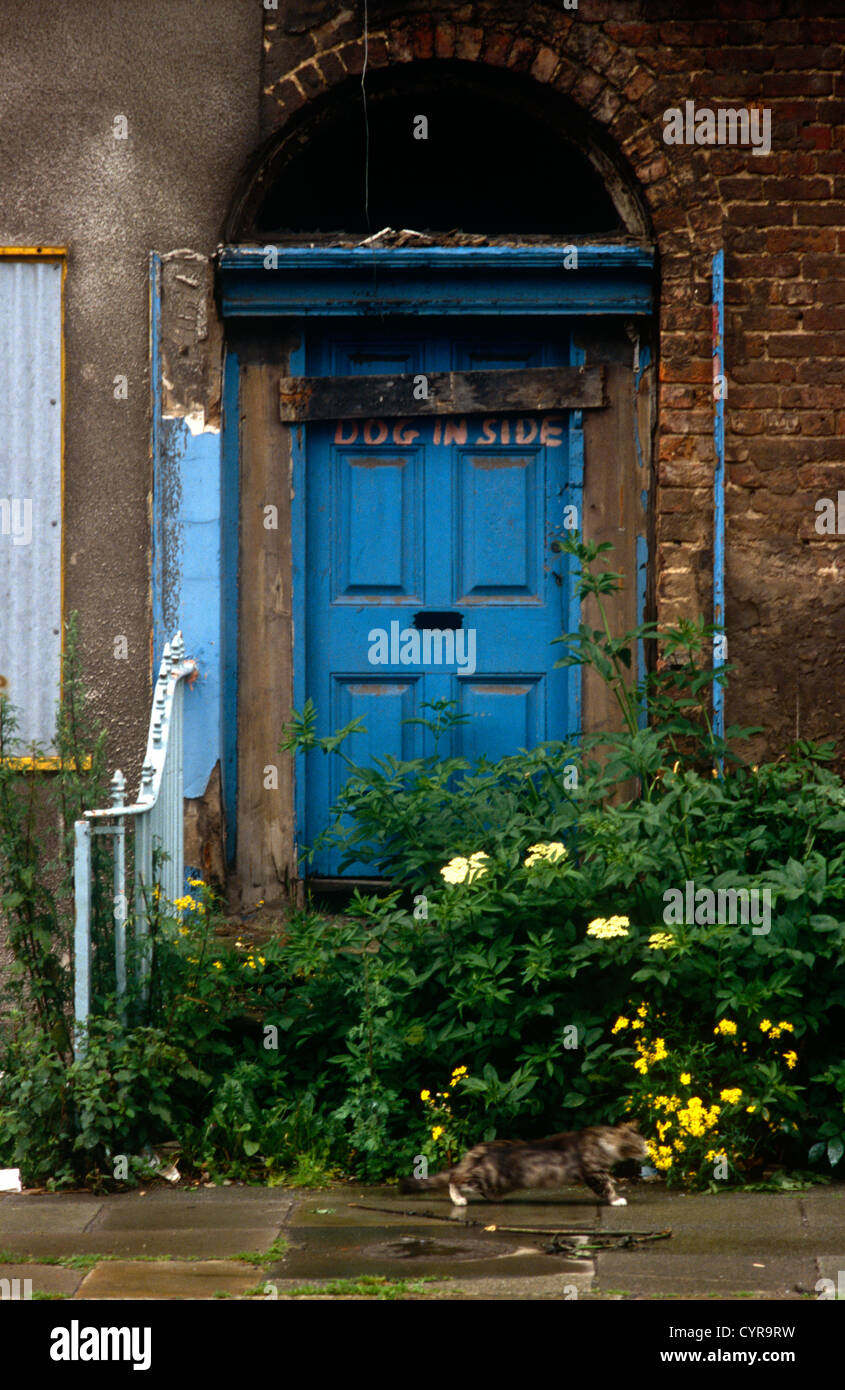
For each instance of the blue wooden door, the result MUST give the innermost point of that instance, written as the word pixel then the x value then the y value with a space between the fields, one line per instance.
pixel 429 564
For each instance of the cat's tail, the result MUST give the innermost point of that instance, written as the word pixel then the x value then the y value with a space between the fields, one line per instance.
pixel 435 1183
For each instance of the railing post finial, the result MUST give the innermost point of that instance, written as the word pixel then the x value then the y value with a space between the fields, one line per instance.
pixel 147 774
pixel 118 788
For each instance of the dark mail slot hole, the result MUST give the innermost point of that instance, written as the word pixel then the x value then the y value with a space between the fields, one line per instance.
pixel 444 621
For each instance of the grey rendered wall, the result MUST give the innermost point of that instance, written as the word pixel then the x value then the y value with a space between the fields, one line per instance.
pixel 186 76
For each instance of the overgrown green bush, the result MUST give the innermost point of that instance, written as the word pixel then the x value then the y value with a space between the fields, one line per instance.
pixel 518 974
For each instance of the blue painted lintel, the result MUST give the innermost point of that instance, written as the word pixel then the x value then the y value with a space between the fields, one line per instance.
pixel 331 281
pixel 719 484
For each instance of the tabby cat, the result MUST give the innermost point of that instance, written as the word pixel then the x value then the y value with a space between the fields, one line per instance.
pixel 504 1165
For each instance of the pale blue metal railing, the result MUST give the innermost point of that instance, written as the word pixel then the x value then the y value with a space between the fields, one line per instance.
pixel 158 820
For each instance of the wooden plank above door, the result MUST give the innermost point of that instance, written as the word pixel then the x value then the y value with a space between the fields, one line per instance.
pixel 448 393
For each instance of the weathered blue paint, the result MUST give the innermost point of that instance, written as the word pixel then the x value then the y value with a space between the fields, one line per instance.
pixel 719 482
pixel 452 515
pixel 158 521
pixel 230 514
pixel 186 561
pixel 299 560
pixel 329 281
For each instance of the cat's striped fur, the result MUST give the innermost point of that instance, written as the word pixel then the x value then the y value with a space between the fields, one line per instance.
pixel 491 1170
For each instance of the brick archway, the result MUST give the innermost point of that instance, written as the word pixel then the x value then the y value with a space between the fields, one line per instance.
pixel 595 66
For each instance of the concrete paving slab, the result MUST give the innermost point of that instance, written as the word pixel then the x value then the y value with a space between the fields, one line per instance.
pixel 831 1267
pixel 757 1245
pixel 823 1210
pixel 44 1278
pixel 339 1207
pixel 59 1214
pixel 678 1273
pixel 165 1280
pixel 568 1286
pixel 202 1223
pixel 200 1242
pixel 345 1252
pixel 222 1209
pixel 735 1212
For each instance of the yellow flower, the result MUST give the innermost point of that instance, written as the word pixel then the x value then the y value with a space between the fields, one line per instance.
pixel 680 1146
pixel 218 965
pixel 262 960
pixel 550 853
pixel 765 1025
pixel 196 882
pixel 436 1132
pixel 461 870
pixel 731 1095
pixel 685 1078
pixel 642 1010
pixel 607 927
pixel 425 1095
pixel 638 1023
pixel 791 1059
pixel 660 940
pixel 749 1109
pixel 620 1023
pixel 725 1026
pixel 786 1027
pixel 459 1071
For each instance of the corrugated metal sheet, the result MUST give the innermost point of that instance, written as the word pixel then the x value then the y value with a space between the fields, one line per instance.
pixel 31 489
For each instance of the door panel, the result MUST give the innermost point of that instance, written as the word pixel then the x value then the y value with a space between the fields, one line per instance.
pixel 451 517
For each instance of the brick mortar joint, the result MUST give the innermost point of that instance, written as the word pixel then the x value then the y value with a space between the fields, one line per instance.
pixel 562 51
pixel 313 60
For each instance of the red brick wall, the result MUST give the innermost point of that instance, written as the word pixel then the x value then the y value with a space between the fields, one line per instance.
pixel 781 219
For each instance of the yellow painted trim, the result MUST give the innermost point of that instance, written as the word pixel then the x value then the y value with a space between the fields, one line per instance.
pixel 52 764
pixel 62 476
pixel 45 251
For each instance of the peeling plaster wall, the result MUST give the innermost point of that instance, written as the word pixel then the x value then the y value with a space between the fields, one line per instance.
pixel 186 76
pixel 188 566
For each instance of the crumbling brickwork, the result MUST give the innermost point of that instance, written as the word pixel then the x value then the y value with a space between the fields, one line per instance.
pixel 781 219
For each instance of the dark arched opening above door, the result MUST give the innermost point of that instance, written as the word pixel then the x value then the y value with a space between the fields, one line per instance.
pixel 497 156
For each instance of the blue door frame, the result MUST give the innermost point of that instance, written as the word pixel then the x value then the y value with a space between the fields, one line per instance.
pixel 325 283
